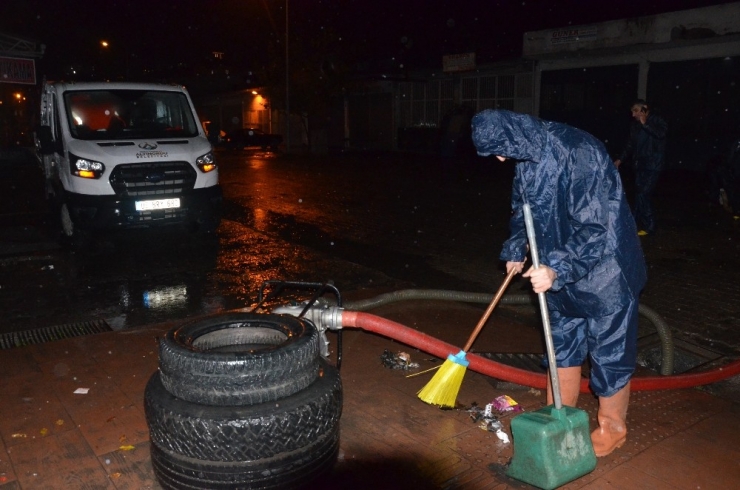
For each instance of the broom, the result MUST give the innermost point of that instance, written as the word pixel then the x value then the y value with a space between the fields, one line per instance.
pixel 442 389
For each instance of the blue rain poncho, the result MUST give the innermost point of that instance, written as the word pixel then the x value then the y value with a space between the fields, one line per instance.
pixel 585 233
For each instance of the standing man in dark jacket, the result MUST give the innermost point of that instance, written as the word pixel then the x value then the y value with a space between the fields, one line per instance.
pixel 646 149
pixel 591 261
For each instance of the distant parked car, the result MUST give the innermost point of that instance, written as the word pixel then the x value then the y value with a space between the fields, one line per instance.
pixel 240 138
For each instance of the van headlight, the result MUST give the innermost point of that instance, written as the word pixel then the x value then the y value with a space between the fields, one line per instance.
pixel 206 163
pixel 87 169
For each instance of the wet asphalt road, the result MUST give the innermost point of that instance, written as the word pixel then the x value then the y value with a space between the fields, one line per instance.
pixel 378 222
pixel 370 223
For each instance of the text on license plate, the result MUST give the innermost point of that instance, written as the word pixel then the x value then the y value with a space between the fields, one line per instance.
pixel 158 204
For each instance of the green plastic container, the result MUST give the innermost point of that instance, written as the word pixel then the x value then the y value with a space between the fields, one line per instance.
pixel 551 447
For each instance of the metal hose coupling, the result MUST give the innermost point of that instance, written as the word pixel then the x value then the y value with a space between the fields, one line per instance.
pixel 324 317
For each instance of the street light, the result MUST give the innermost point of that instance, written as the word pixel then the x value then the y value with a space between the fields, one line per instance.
pixel 105 61
pixel 109 59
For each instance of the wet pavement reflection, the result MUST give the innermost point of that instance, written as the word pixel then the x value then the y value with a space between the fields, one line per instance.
pixel 365 222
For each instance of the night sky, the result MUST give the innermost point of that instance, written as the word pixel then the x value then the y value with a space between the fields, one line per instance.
pixel 409 33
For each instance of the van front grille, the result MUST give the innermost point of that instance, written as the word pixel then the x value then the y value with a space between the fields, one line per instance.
pixel 152 179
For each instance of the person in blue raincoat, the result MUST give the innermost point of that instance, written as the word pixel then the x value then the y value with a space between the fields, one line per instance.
pixel 592 265
pixel 645 148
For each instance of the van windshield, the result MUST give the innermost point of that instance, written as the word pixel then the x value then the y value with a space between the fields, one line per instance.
pixel 128 114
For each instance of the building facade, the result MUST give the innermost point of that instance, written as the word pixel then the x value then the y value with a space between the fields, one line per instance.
pixel 685 64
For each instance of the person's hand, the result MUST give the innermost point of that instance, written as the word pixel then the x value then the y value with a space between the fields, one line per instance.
pixel 518 266
pixel 617 163
pixel 541 278
pixel 642 117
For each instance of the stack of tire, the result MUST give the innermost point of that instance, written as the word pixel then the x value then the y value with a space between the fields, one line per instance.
pixel 242 400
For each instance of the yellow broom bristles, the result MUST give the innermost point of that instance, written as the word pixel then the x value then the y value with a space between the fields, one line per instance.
pixel 442 389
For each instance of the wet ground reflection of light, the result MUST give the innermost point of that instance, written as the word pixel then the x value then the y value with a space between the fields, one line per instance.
pixel 260 219
pixel 256 163
pixel 166 297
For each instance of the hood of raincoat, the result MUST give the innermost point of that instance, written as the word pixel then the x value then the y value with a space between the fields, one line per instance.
pixel 508 134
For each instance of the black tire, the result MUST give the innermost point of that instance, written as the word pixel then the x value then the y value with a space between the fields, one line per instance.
pixel 243 433
pixel 176 472
pixel 270 445
pixel 239 359
pixel 205 227
pixel 206 222
pixel 71 235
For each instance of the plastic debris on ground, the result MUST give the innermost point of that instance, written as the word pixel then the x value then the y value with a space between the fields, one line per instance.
pixel 402 360
pixel 505 403
pixel 489 421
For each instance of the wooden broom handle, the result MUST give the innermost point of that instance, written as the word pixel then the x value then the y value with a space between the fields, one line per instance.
pixel 488 312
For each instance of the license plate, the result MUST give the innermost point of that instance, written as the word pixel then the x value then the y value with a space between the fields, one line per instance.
pixel 158 204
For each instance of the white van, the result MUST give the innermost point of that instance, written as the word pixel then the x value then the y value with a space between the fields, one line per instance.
pixel 122 155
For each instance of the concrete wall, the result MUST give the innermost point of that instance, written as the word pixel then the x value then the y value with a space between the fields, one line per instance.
pixel 704 22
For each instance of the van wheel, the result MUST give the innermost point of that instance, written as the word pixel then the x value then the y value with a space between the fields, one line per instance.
pixel 239 358
pixel 208 220
pixel 265 446
pixel 207 225
pixel 65 218
pixel 71 235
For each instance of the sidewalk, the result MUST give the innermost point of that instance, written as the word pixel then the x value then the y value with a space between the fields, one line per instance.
pixel 53 438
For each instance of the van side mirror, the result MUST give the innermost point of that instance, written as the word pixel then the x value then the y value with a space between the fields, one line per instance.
pixel 45 139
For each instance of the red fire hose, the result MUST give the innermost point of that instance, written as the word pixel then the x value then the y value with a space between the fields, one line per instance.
pixel 436 347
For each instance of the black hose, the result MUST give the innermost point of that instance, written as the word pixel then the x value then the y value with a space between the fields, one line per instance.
pixel 666 338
